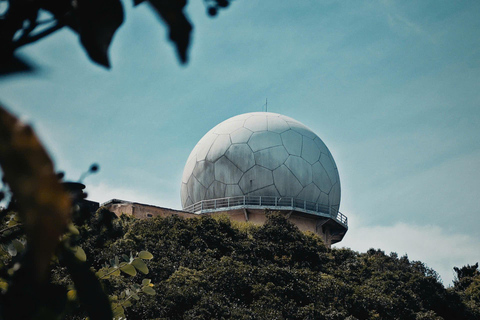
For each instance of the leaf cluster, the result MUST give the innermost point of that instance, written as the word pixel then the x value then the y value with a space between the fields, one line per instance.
pixel 95 22
pixel 97 233
pixel 467 285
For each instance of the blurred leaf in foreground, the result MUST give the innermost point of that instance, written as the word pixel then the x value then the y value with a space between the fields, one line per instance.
pixel 43 203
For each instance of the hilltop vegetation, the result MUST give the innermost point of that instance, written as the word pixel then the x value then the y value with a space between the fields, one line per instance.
pixel 211 268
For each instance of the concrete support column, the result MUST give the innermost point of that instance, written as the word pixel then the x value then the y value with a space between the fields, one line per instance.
pixel 245 212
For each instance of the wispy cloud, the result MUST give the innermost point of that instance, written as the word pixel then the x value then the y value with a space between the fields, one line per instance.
pixel 395 20
pixel 401 23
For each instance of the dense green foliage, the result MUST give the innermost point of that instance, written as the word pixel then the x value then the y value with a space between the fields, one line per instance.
pixel 211 268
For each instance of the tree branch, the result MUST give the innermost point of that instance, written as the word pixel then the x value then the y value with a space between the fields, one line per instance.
pixel 24 41
pixel 9 228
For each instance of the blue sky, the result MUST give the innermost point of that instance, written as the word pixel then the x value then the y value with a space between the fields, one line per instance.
pixel 392 88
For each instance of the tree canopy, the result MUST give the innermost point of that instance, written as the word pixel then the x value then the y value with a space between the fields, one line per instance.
pixel 212 268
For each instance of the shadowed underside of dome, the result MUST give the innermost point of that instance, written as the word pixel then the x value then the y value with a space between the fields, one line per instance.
pixel 261 154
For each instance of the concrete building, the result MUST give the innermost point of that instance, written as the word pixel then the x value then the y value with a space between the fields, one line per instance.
pixel 255 162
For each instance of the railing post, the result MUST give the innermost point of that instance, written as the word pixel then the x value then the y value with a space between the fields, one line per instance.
pixel 243 200
pixel 291 201
pixel 228 202
pixel 276 201
pixel 260 200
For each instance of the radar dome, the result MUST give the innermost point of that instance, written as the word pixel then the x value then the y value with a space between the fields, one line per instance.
pixel 261 154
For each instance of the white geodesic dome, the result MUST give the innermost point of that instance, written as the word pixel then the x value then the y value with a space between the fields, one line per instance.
pixel 261 154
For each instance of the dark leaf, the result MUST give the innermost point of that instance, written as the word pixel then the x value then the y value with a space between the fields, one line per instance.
pixel 13 20
pixel 118 312
pixel 19 247
pixel 222 3
pixel 63 11
pixel 43 203
pixel 94 167
pixel 14 64
pixel 171 12
pixel 145 255
pixel 80 254
pixel 212 11
pixel 149 291
pixel 129 269
pixel 98 21
pixel 140 266
pixel 88 288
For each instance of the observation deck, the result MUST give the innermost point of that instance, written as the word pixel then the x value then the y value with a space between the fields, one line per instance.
pixel 268 202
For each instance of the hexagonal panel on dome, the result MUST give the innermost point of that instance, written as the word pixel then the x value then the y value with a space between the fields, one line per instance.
pixel 257 122
pixel 300 169
pixel 255 178
pixel 233 190
pixel 321 146
pixel 241 135
pixel 309 193
pixel 243 116
pixel 187 202
pixel 320 177
pixel 329 166
pixel 218 148
pixel 203 146
pixel 310 151
pixel 302 129
pixel 241 155
pixel 271 158
pixel 226 128
pixel 277 124
pixel 289 119
pixel 195 189
pixel 216 190
pixel 292 141
pixel 184 193
pixel 263 140
pixel 226 171
pixel 187 171
pixel 334 196
pixel 286 183
pixel 323 199
pixel 204 172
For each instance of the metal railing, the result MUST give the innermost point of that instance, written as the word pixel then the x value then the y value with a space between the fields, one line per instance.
pixel 261 202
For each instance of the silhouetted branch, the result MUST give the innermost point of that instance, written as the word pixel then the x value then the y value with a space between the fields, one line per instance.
pixel 29 39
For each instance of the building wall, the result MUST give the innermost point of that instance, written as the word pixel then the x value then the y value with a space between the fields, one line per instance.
pixel 144 211
pixel 304 222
